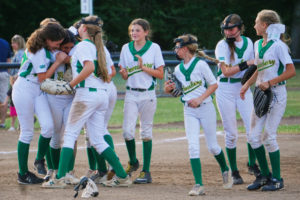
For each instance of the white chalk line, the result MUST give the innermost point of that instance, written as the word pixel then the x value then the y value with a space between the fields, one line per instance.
pixel 169 140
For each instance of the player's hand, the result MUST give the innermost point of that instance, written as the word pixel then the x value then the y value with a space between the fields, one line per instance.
pixel 61 56
pixel 194 103
pixel 123 72
pixel 243 91
pixel 67 59
pixel 264 85
pixel 140 61
pixel 250 62
pixel 169 86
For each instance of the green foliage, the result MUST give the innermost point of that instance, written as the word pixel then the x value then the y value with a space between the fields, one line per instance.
pixel 168 18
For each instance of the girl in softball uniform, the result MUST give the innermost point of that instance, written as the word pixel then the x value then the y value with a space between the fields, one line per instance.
pixel 141 62
pixel 235 54
pixel 102 174
pixel 60 107
pixel 30 100
pixel 199 110
pixel 89 104
pixel 274 67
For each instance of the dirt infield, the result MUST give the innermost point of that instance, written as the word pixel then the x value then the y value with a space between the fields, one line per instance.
pixel 170 168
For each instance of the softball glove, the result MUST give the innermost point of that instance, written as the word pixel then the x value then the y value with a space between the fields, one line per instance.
pixel 57 87
pixel 262 101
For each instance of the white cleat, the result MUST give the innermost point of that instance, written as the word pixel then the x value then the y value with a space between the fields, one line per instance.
pixel 71 179
pixel 197 190
pixel 227 180
pixel 118 182
pixel 55 183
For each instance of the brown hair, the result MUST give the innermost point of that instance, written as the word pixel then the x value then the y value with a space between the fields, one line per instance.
pixel 48 20
pixel 37 39
pixel 96 33
pixel 234 19
pixel 19 40
pixel 143 23
pixel 272 17
pixel 193 48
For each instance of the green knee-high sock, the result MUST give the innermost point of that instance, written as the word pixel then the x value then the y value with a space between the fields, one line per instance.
pixel 251 155
pixel 91 159
pixel 43 147
pixel 101 164
pixel 48 159
pixel 275 163
pixel 71 164
pixel 147 150
pixel 23 151
pixel 262 160
pixel 222 162
pixel 113 160
pixel 196 168
pixel 55 154
pixel 130 144
pixel 231 153
pixel 109 141
pixel 64 161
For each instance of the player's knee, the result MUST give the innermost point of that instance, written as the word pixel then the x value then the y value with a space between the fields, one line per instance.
pixel 194 152
pixel 255 142
pixel 215 150
pixel 271 145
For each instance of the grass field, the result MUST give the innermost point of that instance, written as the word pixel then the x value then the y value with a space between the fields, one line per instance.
pixel 170 110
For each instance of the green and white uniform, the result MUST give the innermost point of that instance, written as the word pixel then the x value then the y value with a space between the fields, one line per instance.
pixel 30 100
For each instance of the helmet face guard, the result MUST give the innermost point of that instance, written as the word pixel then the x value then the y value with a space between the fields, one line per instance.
pixel 97 22
pixel 227 26
pixel 182 43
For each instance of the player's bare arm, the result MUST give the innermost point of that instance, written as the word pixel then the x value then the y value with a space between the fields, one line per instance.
pixel 88 68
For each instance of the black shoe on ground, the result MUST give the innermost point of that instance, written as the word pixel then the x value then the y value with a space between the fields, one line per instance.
pixel 273 185
pixel 259 182
pixel 143 178
pixel 132 167
pixel 39 166
pixel 29 178
pixel 237 179
pixel 253 170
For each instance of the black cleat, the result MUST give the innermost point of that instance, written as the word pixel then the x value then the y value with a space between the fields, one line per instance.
pixel 29 178
pixel 143 178
pixel 253 170
pixel 132 167
pixel 237 179
pixel 273 185
pixel 259 182
pixel 39 166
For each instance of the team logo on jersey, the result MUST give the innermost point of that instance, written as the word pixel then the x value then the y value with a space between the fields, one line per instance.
pixel 137 69
pixel 192 86
pixel 265 65
pixel 42 66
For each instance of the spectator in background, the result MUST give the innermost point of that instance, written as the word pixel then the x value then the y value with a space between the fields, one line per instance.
pixel 18 46
pixel 5 53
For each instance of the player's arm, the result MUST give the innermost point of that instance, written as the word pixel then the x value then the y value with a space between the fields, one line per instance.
pixel 113 71
pixel 231 70
pixel 88 68
pixel 169 86
pixel 60 57
pixel 157 73
pixel 194 103
pixel 123 72
pixel 248 84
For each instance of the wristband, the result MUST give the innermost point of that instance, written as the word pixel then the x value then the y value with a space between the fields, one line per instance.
pixel 243 66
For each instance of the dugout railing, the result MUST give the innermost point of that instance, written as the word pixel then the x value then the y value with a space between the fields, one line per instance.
pixel 170 61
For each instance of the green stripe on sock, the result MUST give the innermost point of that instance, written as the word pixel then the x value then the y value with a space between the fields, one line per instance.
pixel 43 147
pixel 48 159
pixel 275 163
pixel 23 151
pixel 262 160
pixel 113 160
pixel 101 164
pixel 231 153
pixel 64 162
pixel 147 150
pixel 55 154
pixel 222 162
pixel 91 159
pixel 109 141
pixel 130 144
pixel 196 168
pixel 251 155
